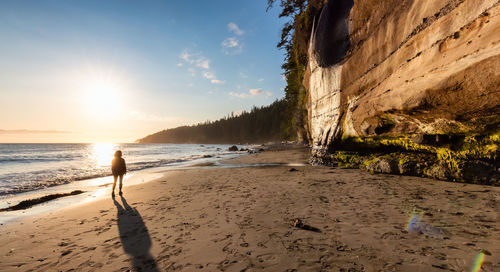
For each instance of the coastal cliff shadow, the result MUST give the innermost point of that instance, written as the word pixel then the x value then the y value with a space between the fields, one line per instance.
pixel 331 38
pixel 134 236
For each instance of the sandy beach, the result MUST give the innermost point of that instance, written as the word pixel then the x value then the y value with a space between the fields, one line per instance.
pixel 245 219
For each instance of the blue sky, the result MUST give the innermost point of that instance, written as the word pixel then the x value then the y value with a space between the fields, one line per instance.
pixel 89 71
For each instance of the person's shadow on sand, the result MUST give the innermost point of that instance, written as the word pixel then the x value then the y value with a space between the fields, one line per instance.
pixel 134 236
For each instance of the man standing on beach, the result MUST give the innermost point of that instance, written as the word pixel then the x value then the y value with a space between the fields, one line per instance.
pixel 118 168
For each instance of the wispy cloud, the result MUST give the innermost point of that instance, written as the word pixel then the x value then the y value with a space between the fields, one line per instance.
pixel 192 71
pixel 237 113
pixel 233 45
pixel 208 75
pixel 213 79
pixel 232 27
pixel 203 63
pixel 260 80
pixel 142 116
pixel 199 63
pixel 186 56
pixel 251 93
pixel 216 81
pixel 196 59
pixel 255 92
pixel 238 95
pixel 32 131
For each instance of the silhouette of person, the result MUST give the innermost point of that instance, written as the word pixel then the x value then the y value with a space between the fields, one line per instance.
pixel 118 168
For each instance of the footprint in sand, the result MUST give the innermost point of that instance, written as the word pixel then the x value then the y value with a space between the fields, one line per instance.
pixel 66 252
pixel 324 199
pixel 267 258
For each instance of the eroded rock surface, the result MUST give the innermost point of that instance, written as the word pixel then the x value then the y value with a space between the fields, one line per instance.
pixel 403 67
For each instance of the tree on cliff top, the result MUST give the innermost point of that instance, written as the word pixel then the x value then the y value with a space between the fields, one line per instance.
pixel 289 8
pixel 294 40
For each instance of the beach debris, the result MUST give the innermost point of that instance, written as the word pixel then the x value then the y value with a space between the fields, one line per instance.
pixel 25 204
pixel 299 224
pixel 233 148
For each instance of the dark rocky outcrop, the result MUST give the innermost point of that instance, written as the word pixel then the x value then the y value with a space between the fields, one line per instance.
pixel 401 79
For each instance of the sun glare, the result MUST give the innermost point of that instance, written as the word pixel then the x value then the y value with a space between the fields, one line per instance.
pixel 102 153
pixel 103 98
pixel 102 91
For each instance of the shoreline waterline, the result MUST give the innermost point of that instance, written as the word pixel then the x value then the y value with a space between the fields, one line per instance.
pixel 29 167
pixel 99 188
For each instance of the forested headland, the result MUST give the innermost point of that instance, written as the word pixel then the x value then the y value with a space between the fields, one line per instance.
pixel 261 124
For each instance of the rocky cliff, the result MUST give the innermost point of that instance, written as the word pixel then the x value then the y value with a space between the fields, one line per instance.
pixel 416 79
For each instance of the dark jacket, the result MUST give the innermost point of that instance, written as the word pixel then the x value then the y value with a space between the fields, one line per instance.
pixel 118 167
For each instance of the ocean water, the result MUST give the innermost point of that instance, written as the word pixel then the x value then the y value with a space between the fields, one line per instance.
pixel 28 167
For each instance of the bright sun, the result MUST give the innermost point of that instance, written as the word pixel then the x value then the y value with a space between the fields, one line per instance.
pixel 103 98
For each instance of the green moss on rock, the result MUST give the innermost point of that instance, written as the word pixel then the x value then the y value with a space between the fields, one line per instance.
pixel 466 158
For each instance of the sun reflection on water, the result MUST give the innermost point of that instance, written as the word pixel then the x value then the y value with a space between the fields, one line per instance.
pixel 103 153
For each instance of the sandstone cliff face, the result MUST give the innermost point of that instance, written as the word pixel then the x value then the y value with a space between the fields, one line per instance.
pixel 400 67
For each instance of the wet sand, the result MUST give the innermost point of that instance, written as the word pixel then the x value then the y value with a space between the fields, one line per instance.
pixel 236 219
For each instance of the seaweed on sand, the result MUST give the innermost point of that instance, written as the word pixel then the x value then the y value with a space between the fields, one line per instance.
pixel 25 204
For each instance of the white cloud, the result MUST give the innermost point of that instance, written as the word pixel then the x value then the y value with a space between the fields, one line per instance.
pixel 230 42
pixel 231 46
pixel 216 81
pixel 196 58
pixel 186 56
pixel 260 80
pixel 142 116
pixel 251 93
pixel 208 75
pixel 232 27
pixel 197 63
pixel 237 113
pixel 203 62
pixel 180 64
pixel 255 92
pixel 239 95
